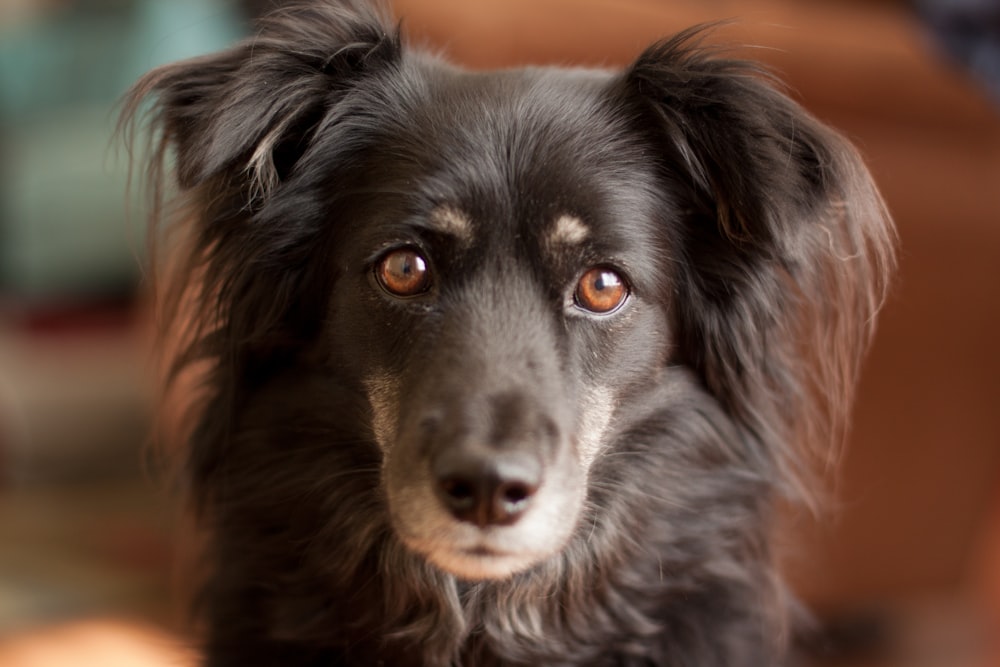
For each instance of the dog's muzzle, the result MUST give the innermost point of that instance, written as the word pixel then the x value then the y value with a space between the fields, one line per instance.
pixel 484 486
pixel 484 483
pixel 482 468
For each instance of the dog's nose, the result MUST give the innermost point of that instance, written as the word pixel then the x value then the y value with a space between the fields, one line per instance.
pixel 486 489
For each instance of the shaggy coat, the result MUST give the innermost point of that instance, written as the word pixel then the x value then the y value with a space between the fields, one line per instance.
pixel 749 250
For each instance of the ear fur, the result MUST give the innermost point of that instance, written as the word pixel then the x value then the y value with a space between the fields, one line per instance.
pixel 233 267
pixel 249 110
pixel 788 250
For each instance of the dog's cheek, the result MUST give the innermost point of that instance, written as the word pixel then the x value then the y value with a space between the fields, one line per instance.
pixel 414 511
pixel 596 409
pixel 383 392
pixel 615 366
pixel 557 509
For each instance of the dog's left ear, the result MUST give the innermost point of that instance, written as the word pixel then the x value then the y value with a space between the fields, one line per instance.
pixel 236 287
pixel 786 245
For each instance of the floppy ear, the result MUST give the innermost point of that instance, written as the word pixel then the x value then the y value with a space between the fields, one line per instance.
pixel 235 288
pixel 787 247
pixel 252 108
pixel 232 127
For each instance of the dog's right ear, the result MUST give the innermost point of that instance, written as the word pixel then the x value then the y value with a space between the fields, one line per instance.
pixel 249 112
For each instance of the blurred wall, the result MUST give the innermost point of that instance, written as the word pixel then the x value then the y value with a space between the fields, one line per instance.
pixel 74 392
pixel 63 67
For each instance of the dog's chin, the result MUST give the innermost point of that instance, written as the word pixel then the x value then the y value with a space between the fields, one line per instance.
pixel 473 554
pixel 479 564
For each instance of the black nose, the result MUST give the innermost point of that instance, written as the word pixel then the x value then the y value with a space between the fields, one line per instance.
pixel 492 488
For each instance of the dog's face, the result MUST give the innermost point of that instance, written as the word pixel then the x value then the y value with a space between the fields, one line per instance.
pixel 502 290
pixel 505 274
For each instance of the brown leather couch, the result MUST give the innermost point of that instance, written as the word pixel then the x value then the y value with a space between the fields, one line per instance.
pixel 923 464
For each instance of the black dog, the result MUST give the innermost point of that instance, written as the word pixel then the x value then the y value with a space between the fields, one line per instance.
pixel 503 368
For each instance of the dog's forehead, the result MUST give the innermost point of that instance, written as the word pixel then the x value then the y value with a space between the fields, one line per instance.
pixel 547 150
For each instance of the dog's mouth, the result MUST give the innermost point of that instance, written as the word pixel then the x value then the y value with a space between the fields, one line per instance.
pixel 484 552
pixel 481 564
pixel 482 561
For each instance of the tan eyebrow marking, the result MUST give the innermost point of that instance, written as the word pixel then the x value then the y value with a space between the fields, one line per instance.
pixel 568 230
pixel 452 221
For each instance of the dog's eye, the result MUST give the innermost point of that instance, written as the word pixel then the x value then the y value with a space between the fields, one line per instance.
pixel 403 273
pixel 601 290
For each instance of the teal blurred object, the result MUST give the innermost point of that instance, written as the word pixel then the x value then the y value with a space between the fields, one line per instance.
pixel 64 232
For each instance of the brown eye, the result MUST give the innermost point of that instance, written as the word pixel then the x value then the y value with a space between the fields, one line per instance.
pixel 601 290
pixel 403 273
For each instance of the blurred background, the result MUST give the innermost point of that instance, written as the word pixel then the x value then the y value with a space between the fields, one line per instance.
pixel 906 571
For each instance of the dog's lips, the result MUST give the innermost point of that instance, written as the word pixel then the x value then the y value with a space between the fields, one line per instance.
pixel 484 545
pixel 476 559
pixel 484 551
pixel 481 562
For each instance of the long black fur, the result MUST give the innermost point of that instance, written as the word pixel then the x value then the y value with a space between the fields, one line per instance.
pixel 758 252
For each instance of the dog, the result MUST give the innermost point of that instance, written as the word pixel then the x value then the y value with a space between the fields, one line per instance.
pixel 501 368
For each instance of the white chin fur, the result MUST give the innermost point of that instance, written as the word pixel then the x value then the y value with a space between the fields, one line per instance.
pixel 479 567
